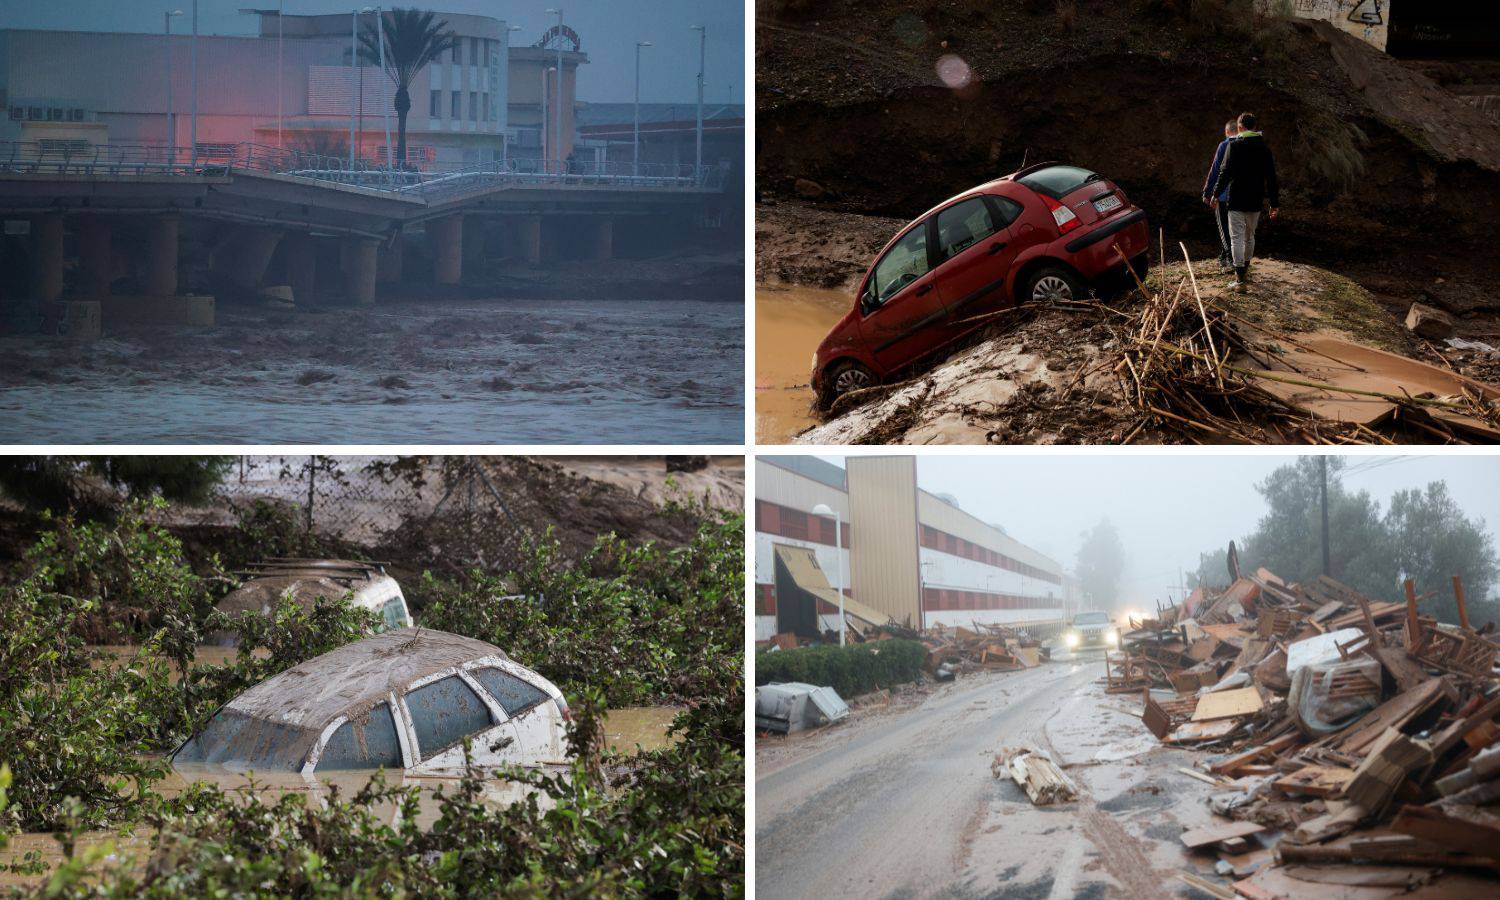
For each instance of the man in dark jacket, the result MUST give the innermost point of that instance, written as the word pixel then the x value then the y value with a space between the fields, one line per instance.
pixel 1221 211
pixel 1248 175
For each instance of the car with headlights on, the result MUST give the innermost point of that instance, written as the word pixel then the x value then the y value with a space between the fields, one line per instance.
pixel 1092 628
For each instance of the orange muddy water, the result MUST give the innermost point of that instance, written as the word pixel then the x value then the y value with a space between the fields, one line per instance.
pixel 789 323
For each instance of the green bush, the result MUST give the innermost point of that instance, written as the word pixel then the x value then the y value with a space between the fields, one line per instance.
pixel 852 670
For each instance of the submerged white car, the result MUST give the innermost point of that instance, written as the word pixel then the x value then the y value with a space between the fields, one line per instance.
pixel 404 699
pixel 365 585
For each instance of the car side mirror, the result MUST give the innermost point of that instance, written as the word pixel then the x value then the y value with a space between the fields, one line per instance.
pixel 867 301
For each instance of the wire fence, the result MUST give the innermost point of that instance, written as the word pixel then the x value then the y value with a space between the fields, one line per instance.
pixel 460 512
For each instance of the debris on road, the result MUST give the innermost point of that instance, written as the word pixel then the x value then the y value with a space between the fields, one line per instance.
pixel 1037 774
pixel 985 646
pixel 785 707
pixel 1349 732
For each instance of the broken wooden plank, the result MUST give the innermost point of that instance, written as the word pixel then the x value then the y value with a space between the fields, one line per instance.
pixel 1207 836
pixel 1315 781
pixel 1228 704
pixel 1230 764
pixel 1035 772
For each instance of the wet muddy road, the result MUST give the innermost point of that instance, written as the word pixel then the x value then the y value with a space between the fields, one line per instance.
pixel 790 321
pixel 903 802
pixel 485 371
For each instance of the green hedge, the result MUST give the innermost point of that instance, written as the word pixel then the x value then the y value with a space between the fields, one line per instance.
pixel 852 670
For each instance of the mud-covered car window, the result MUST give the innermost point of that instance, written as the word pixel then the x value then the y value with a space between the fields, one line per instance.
pixel 1091 618
pixel 233 736
pixel 444 713
pixel 364 742
pixel 515 695
pixel 961 225
pixel 394 613
pixel 904 263
pixel 1057 181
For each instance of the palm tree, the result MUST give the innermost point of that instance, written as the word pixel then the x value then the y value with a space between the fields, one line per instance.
pixel 412 40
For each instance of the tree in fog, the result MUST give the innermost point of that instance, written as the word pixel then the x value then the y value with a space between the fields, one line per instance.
pixel 412 40
pixel 1101 562
pixel 1423 535
pixel 1288 538
pixel 1431 541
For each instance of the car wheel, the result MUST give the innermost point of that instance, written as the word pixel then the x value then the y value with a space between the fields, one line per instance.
pixel 844 377
pixel 1051 283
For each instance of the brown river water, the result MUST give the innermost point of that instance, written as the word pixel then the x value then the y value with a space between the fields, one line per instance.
pixel 627 730
pixel 790 321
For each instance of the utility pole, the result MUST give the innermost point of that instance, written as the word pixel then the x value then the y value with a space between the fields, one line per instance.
pixel 635 164
pixel 558 111
pixel 280 16
pixel 1323 466
pixel 386 107
pixel 171 106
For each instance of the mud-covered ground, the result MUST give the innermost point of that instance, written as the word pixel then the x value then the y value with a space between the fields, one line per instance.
pixel 902 802
pixel 516 366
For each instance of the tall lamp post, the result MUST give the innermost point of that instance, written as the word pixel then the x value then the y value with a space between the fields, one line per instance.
pixel 503 89
pixel 194 135
pixel 558 111
pixel 702 56
pixel 386 107
pixel 166 19
pixel 838 533
pixel 635 165
pixel 354 91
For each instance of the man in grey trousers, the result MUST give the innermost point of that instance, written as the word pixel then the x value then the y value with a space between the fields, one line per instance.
pixel 1248 175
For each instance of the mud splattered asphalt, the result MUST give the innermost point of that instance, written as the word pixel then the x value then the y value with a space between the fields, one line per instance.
pixel 903 803
pixel 487 371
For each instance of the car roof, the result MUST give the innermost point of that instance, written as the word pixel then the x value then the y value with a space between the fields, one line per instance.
pixel 357 676
pixel 986 188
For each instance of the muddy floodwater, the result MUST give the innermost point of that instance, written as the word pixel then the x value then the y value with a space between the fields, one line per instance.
pixel 789 324
pixel 470 371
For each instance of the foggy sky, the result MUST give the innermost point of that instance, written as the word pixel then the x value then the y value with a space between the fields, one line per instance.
pixel 1168 508
pixel 608 29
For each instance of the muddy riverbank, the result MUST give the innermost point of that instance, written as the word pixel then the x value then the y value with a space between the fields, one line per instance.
pixel 500 370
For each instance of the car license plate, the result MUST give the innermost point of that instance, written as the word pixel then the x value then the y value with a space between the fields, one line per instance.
pixel 1105 204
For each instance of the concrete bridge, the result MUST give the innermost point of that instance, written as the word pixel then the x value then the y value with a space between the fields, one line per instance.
pixel 265 199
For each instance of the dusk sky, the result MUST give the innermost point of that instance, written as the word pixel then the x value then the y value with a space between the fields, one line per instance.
pixel 1168 508
pixel 608 29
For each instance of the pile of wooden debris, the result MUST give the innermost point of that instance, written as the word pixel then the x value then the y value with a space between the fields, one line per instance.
pixel 1346 730
pixel 952 650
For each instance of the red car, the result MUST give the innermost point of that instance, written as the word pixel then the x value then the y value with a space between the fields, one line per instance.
pixel 1044 233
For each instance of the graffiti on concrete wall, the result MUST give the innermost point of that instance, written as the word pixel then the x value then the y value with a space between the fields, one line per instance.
pixel 1365 19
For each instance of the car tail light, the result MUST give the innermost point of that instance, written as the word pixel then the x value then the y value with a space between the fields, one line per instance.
pixel 1063 216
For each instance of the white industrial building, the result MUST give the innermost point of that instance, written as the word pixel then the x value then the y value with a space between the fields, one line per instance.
pixel 903 552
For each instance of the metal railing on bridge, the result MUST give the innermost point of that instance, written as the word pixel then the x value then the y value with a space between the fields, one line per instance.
pixel 421 180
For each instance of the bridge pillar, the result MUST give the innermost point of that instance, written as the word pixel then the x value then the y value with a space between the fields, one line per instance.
pixel 388 263
pixel 359 274
pixel 96 264
pixel 445 238
pixel 161 256
pixel 302 266
pixel 241 258
pixel 604 237
pixel 529 236
pixel 47 230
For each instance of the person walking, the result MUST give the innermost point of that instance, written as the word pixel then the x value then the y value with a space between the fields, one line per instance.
pixel 1220 211
pixel 1247 179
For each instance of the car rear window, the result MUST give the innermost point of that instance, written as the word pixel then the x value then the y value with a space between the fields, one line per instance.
pixel 1057 181
pixel 514 695
pixel 444 713
pixel 367 742
pixel 234 737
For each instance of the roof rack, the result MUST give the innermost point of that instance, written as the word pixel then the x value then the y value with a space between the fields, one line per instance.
pixel 1032 168
pixel 336 569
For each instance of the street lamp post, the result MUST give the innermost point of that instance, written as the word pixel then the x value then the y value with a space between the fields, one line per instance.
pixel 280 16
pixel 386 107
pixel 635 165
pixel 354 90
pixel 702 56
pixel 166 18
pixel 838 533
pixel 558 111
pixel 503 90
pixel 194 135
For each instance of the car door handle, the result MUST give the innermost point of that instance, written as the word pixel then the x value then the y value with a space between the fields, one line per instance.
pixel 924 289
pixel 997 247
